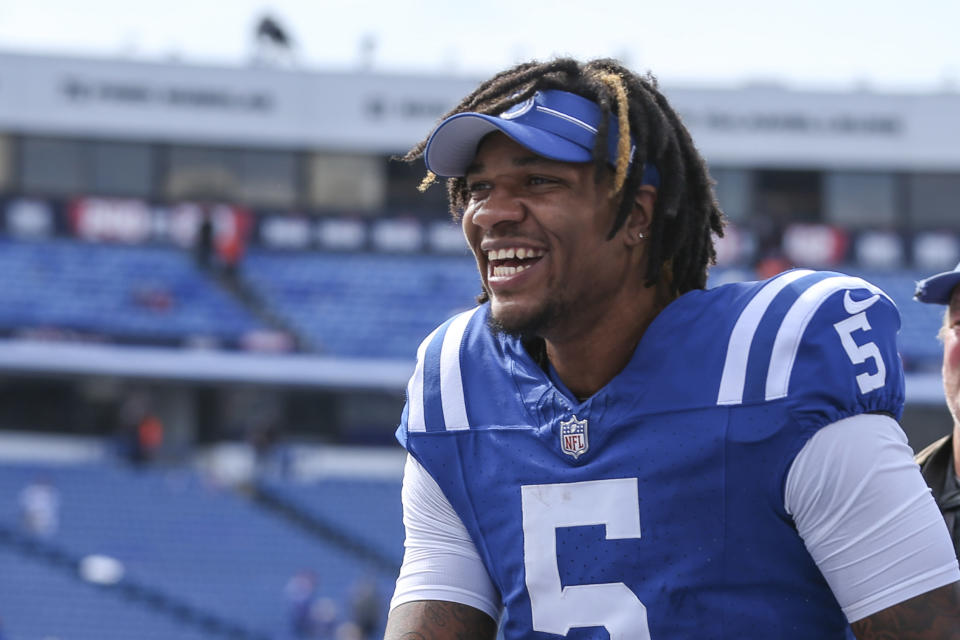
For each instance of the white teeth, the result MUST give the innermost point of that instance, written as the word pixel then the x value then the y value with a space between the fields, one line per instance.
pixel 509 271
pixel 521 253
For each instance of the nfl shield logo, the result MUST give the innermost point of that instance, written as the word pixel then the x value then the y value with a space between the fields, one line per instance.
pixel 573 437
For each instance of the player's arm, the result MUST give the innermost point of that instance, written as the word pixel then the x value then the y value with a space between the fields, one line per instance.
pixel 934 615
pixel 869 522
pixel 443 590
pixel 437 620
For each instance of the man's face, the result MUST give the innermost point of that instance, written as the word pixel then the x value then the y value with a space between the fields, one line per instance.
pixel 951 355
pixel 538 230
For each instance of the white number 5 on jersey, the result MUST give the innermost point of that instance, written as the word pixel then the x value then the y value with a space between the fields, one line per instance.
pixel 557 609
pixel 859 354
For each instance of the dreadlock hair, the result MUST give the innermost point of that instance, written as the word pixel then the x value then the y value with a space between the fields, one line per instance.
pixel 686 214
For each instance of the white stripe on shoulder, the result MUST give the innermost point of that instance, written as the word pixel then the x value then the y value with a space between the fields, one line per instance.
pixel 738 350
pixel 451 382
pixel 794 325
pixel 415 413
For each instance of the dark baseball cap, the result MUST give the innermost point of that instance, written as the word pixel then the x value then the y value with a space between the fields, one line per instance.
pixel 938 289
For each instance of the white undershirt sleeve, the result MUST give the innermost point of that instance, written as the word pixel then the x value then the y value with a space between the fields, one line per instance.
pixel 440 561
pixel 867 517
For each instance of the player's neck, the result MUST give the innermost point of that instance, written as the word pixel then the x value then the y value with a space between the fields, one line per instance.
pixel 590 357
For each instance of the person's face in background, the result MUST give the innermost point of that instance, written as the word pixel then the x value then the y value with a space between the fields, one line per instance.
pixel 950 334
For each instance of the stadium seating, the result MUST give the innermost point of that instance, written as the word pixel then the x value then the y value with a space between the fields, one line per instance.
pixel 137 294
pixel 180 535
pixel 368 510
pixel 38 600
pixel 363 305
pixel 354 305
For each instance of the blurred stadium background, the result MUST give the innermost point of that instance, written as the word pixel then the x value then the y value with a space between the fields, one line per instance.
pixel 213 282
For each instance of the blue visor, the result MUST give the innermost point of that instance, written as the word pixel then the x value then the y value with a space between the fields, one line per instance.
pixel 938 289
pixel 554 124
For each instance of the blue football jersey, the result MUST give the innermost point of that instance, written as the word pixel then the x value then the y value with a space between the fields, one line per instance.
pixel 655 508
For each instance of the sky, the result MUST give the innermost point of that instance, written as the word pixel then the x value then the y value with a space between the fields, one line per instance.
pixel 830 44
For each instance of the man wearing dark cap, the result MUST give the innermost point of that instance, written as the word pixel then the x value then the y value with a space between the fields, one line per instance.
pixel 604 448
pixel 940 462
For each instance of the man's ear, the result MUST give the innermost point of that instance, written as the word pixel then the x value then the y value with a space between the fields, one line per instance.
pixel 641 217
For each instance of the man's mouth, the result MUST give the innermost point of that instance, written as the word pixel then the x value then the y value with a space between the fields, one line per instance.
pixel 510 261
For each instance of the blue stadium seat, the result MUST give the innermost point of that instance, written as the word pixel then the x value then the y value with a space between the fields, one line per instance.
pixel 369 510
pixel 176 532
pixel 363 305
pixel 38 600
pixel 139 294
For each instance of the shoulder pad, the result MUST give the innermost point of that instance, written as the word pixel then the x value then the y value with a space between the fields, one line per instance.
pixel 816 337
pixel 438 367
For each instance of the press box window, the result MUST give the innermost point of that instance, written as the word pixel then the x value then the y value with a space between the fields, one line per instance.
pixel 932 200
pixel 50 166
pixel 860 200
pixel 122 169
pixel 6 163
pixel 787 196
pixel 269 178
pixel 199 173
pixel 352 183
pixel 403 196
pixel 734 190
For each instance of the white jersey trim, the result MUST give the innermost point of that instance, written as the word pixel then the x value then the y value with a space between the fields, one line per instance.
pixel 451 381
pixel 415 413
pixel 734 376
pixel 794 324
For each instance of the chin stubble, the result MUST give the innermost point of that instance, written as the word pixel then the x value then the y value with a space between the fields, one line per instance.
pixel 527 328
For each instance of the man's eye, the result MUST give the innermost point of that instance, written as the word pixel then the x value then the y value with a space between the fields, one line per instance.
pixel 474 187
pixel 538 180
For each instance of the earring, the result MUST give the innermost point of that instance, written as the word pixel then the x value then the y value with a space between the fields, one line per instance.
pixel 640 236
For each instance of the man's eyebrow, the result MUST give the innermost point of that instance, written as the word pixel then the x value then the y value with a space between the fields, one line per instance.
pixel 524 161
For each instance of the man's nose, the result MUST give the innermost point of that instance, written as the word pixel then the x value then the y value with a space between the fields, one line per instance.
pixel 501 205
